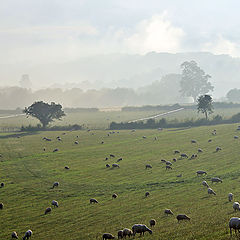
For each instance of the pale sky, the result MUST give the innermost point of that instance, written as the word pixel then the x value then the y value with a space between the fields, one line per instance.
pixel 42 31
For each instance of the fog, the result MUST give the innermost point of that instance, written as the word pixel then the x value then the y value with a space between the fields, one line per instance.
pixel 114 53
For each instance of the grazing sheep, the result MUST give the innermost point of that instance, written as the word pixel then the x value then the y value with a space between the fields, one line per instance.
pixel 120 159
pixel 168 167
pixel 176 152
pixel 56 184
pixel 148 166
pixel 200 172
pixel 140 228
pixel 115 165
pixel 48 210
pixel 107 166
pixel 127 232
pixel 235 224
pixel 147 194
pixel 163 160
pixel 180 175
pixel 28 234
pixel 210 140
pixel 54 203
pixel 168 163
pixel 67 167
pixel 218 149
pixel 236 206
pixel 184 155
pixel 205 184
pixel 174 159
pixel 111 155
pixel 1 206
pixel 144 137
pixel 210 191
pixel 200 150
pixel 193 141
pixel 44 149
pixel 152 222
pixel 107 236
pixel 216 179
pixel 230 197
pixel 120 234
pixel 76 142
pixel 2 185
pixel 114 195
pixel 168 212
pixel 193 156
pixel 181 217
pixel 56 150
pixel 14 235
pixel 102 142
pixel 235 137
pixel 93 200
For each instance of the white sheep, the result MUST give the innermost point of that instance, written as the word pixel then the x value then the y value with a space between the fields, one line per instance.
pixel 235 224
pixel 54 203
pixel 148 166
pixel 236 206
pixel 200 172
pixel 168 212
pixel 14 235
pixel 115 165
pixel 210 191
pixel 120 234
pixel 205 184
pixel 216 179
pixel 127 232
pixel 93 200
pixel 56 184
pixel 28 234
pixel 140 228
pixel 107 236
pixel 48 210
pixel 230 197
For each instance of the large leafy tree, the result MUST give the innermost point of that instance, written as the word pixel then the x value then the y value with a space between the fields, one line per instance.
pixel 194 81
pixel 45 112
pixel 205 105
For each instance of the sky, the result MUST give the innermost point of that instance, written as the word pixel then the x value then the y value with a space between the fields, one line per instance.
pixel 42 31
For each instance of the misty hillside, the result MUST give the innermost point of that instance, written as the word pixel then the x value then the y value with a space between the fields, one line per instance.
pixel 122 70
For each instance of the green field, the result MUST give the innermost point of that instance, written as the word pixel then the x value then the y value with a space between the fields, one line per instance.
pixel 28 173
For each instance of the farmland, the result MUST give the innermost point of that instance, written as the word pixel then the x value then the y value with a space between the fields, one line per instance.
pixel 29 172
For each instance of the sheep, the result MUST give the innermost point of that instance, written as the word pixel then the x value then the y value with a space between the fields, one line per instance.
pixel 168 163
pixel 106 158
pixel 44 149
pixel 111 155
pixel 140 228
pixel 210 140
pixel 115 165
pixel 200 150
pixel 56 150
pixel 181 217
pixel 14 235
pixel 107 236
pixel 114 195
pixel 107 166
pixel 120 159
pixel 193 156
pixel 2 185
pixel 76 142
pixel 127 232
pixel 148 166
pixel 48 210
pixel 28 234
pixel 200 172
pixel 155 139
pixel 174 159
pixel 184 155
pixel 236 206
pixel 147 194
pixel 56 184
pixel 176 152
pixel 55 203
pixel 152 222
pixel 180 175
pixel 193 141
pixel 210 191
pixel 1 206
pixel 120 234
pixel 216 179
pixel 93 200
pixel 163 160
pixel 67 167
pixel 168 167
pixel 168 212
pixel 205 184
pixel 230 197
pixel 235 137
pixel 102 142
pixel 144 137
pixel 234 223
pixel 218 149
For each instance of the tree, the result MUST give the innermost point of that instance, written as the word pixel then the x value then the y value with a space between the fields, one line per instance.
pixel 205 105
pixel 45 112
pixel 234 95
pixel 194 80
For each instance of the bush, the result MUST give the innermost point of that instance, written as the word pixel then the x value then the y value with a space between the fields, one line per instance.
pixel 31 128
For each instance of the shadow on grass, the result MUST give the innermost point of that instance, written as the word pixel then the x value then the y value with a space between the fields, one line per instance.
pixel 18 135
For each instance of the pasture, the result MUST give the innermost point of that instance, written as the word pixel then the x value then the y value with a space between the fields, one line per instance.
pixel 29 172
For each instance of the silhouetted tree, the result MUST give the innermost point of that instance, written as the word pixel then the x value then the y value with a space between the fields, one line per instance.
pixel 205 105
pixel 194 80
pixel 45 112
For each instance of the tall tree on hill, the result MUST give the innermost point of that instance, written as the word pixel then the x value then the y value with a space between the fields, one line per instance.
pixel 205 105
pixel 194 80
pixel 45 112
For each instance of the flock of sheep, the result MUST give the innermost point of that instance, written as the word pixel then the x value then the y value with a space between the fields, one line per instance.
pixel 234 222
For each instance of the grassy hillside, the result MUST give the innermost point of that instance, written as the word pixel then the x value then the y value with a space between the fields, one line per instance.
pixel 29 173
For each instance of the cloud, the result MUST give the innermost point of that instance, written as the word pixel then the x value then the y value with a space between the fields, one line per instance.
pixel 156 34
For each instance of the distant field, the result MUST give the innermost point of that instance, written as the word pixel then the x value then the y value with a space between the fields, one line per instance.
pixel 101 119
pixel 28 173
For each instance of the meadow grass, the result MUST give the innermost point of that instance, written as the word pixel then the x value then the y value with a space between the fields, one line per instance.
pixel 29 173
